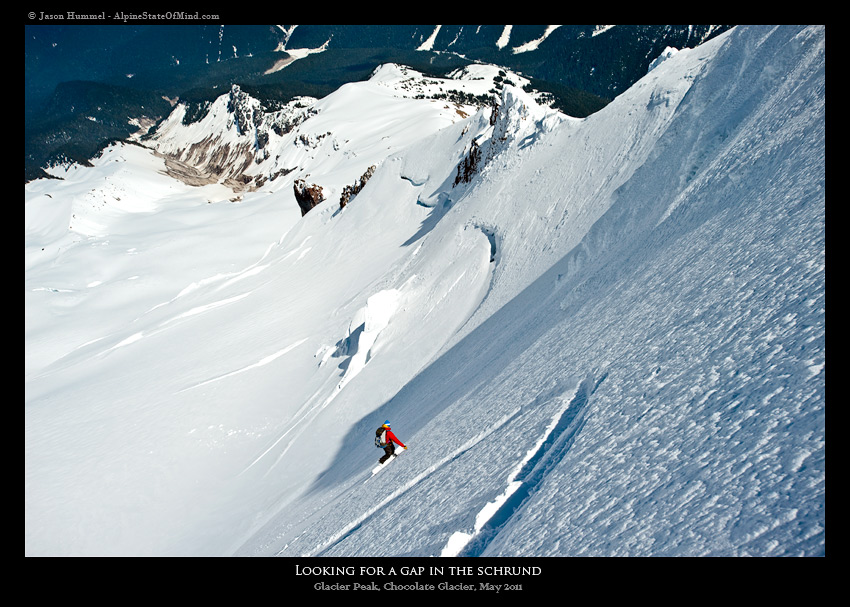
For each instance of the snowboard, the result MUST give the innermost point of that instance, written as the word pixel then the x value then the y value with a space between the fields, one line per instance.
pixel 380 467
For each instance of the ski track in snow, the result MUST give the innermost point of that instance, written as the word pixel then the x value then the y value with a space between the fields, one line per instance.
pixel 229 279
pixel 207 307
pixel 261 363
pixel 137 336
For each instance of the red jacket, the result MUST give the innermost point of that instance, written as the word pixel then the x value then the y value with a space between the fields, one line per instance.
pixel 391 438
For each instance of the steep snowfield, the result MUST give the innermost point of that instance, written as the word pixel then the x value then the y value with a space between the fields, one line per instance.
pixel 611 341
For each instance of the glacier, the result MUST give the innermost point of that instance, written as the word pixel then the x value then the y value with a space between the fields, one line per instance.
pixel 610 341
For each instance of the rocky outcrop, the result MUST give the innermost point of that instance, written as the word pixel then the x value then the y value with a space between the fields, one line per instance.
pixel 246 112
pixel 307 196
pixel 349 191
pixel 517 120
pixel 235 140
pixel 470 164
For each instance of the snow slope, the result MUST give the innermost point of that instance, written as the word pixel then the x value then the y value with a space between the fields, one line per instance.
pixel 611 341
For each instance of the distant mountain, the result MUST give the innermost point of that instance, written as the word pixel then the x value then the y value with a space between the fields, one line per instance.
pixel 582 66
pixel 602 59
pixel 81 117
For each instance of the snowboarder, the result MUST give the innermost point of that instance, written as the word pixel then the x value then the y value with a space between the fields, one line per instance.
pixel 387 440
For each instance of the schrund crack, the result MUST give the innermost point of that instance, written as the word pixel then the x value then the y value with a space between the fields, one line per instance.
pixel 551 451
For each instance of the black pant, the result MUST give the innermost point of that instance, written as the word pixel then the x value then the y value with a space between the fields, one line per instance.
pixel 390 451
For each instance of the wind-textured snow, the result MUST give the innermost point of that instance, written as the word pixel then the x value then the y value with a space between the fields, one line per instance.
pixel 610 342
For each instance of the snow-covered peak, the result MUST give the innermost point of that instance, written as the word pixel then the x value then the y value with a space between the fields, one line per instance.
pixel 391 73
pixel 334 139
